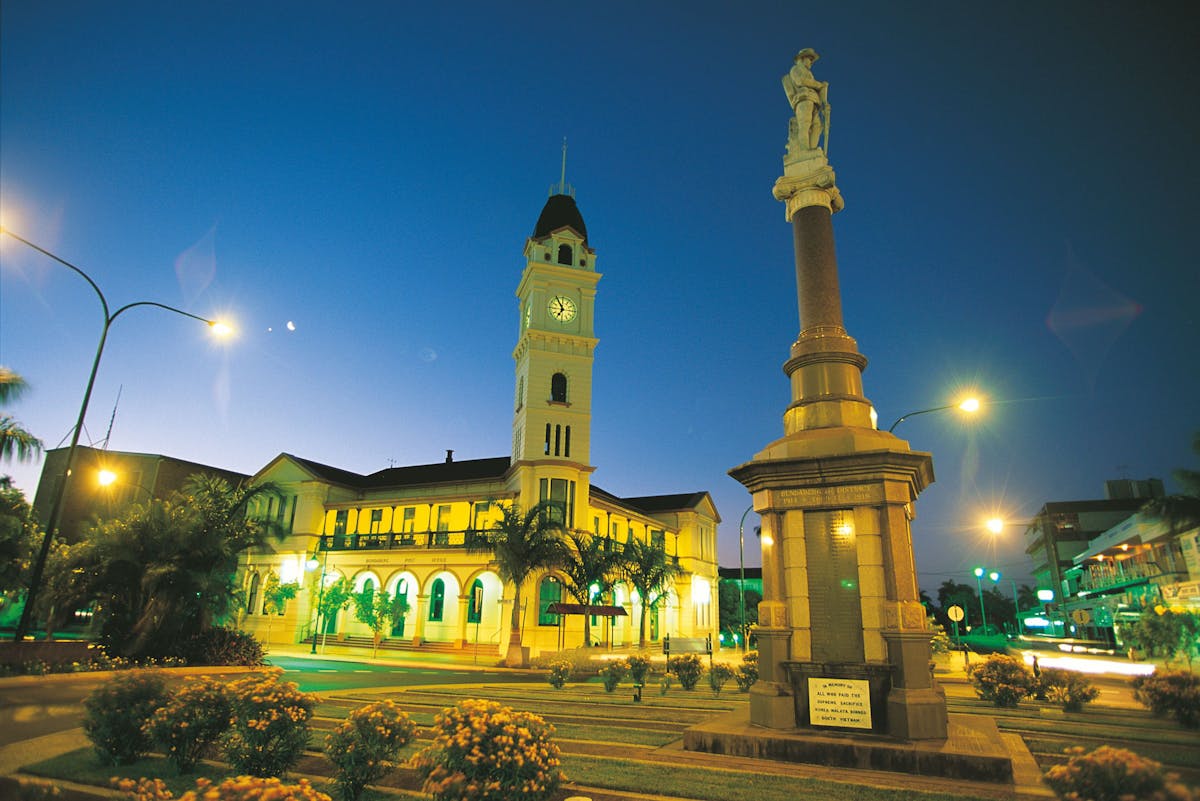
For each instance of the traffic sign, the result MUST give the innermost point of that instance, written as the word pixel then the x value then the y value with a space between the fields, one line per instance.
pixel 1081 616
pixel 955 613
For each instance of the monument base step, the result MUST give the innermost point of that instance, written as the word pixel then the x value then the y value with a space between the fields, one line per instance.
pixel 973 750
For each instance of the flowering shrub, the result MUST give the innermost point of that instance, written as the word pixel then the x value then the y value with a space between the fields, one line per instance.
pixel 116 713
pixel 221 646
pixel 718 675
pixel 1003 680
pixel 188 725
pixel 1171 691
pixel 482 750
pixel 1113 774
pixel 612 672
pixel 243 788
pixel 365 746
pixel 560 672
pixel 687 668
pixel 1066 687
pixel 747 673
pixel 638 666
pixel 268 724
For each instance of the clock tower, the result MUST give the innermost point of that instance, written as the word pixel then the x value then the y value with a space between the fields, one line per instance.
pixel 555 344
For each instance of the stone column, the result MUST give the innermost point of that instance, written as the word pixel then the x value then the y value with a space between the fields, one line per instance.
pixel 420 609
pixel 464 602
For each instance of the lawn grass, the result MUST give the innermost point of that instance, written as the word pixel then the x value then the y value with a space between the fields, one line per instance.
pixel 711 784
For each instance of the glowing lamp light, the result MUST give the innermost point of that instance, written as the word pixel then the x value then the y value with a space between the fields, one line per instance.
pixel 995 525
pixel 106 478
pixel 978 572
pixel 970 405
pixel 768 540
pixel 994 575
pixel 221 329
pixel 1045 595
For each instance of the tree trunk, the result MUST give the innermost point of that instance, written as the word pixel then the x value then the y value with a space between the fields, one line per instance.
pixel 642 628
pixel 516 653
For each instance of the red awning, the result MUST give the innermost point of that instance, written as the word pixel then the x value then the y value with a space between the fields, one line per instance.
pixel 586 609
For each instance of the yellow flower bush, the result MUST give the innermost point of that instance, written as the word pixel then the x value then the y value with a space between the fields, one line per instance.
pixel 560 673
pixel 190 722
pixel 1003 680
pixel 243 788
pixel 1113 774
pixel 115 716
pixel 268 724
pixel 482 750
pixel 639 667
pixel 365 746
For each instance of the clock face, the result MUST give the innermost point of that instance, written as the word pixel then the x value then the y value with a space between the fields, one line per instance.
pixel 562 308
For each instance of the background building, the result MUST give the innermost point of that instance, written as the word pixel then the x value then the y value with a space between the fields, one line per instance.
pixel 411 530
pixel 135 478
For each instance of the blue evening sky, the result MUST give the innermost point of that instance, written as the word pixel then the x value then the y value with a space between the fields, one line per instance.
pixel 1020 183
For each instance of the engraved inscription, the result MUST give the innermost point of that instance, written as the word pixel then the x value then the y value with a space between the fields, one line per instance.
pixel 839 702
pixel 829 496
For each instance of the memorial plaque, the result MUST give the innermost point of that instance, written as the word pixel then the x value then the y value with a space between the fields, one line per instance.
pixel 839 702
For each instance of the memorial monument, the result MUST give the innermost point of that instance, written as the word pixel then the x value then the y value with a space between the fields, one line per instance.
pixel 843 642
pixel 845 675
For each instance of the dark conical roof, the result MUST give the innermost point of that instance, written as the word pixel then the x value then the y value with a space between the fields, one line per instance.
pixel 559 211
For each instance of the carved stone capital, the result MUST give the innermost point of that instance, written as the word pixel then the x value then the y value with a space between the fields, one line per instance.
pixel 815 186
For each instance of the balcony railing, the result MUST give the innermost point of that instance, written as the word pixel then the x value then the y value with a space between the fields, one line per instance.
pixel 458 540
pixel 1098 578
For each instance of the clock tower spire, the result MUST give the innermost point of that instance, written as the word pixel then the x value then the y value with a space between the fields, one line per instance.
pixel 555 345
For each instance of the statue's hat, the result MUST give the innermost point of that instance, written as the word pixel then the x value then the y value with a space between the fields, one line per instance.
pixel 808 51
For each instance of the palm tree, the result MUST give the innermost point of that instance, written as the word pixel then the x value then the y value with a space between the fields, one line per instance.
pixel 14 440
pixel 1181 511
pixel 162 572
pixel 587 562
pixel 521 543
pixel 650 570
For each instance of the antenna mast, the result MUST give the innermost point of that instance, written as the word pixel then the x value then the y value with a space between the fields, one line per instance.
pixel 112 418
pixel 562 180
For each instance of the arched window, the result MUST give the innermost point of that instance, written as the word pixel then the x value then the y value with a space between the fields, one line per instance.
pixel 547 448
pixel 564 255
pixel 252 595
pixel 401 592
pixel 557 439
pixel 437 600
pixel 475 602
pixel 567 443
pixel 558 388
pixel 549 592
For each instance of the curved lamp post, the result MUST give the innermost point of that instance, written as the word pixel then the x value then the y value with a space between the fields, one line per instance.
pixel 969 405
pixel 56 504
pixel 742 579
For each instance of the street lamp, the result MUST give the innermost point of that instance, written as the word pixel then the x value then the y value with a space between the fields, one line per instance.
pixel 995 525
pixel 60 490
pixel 995 577
pixel 742 581
pixel 968 405
pixel 111 481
